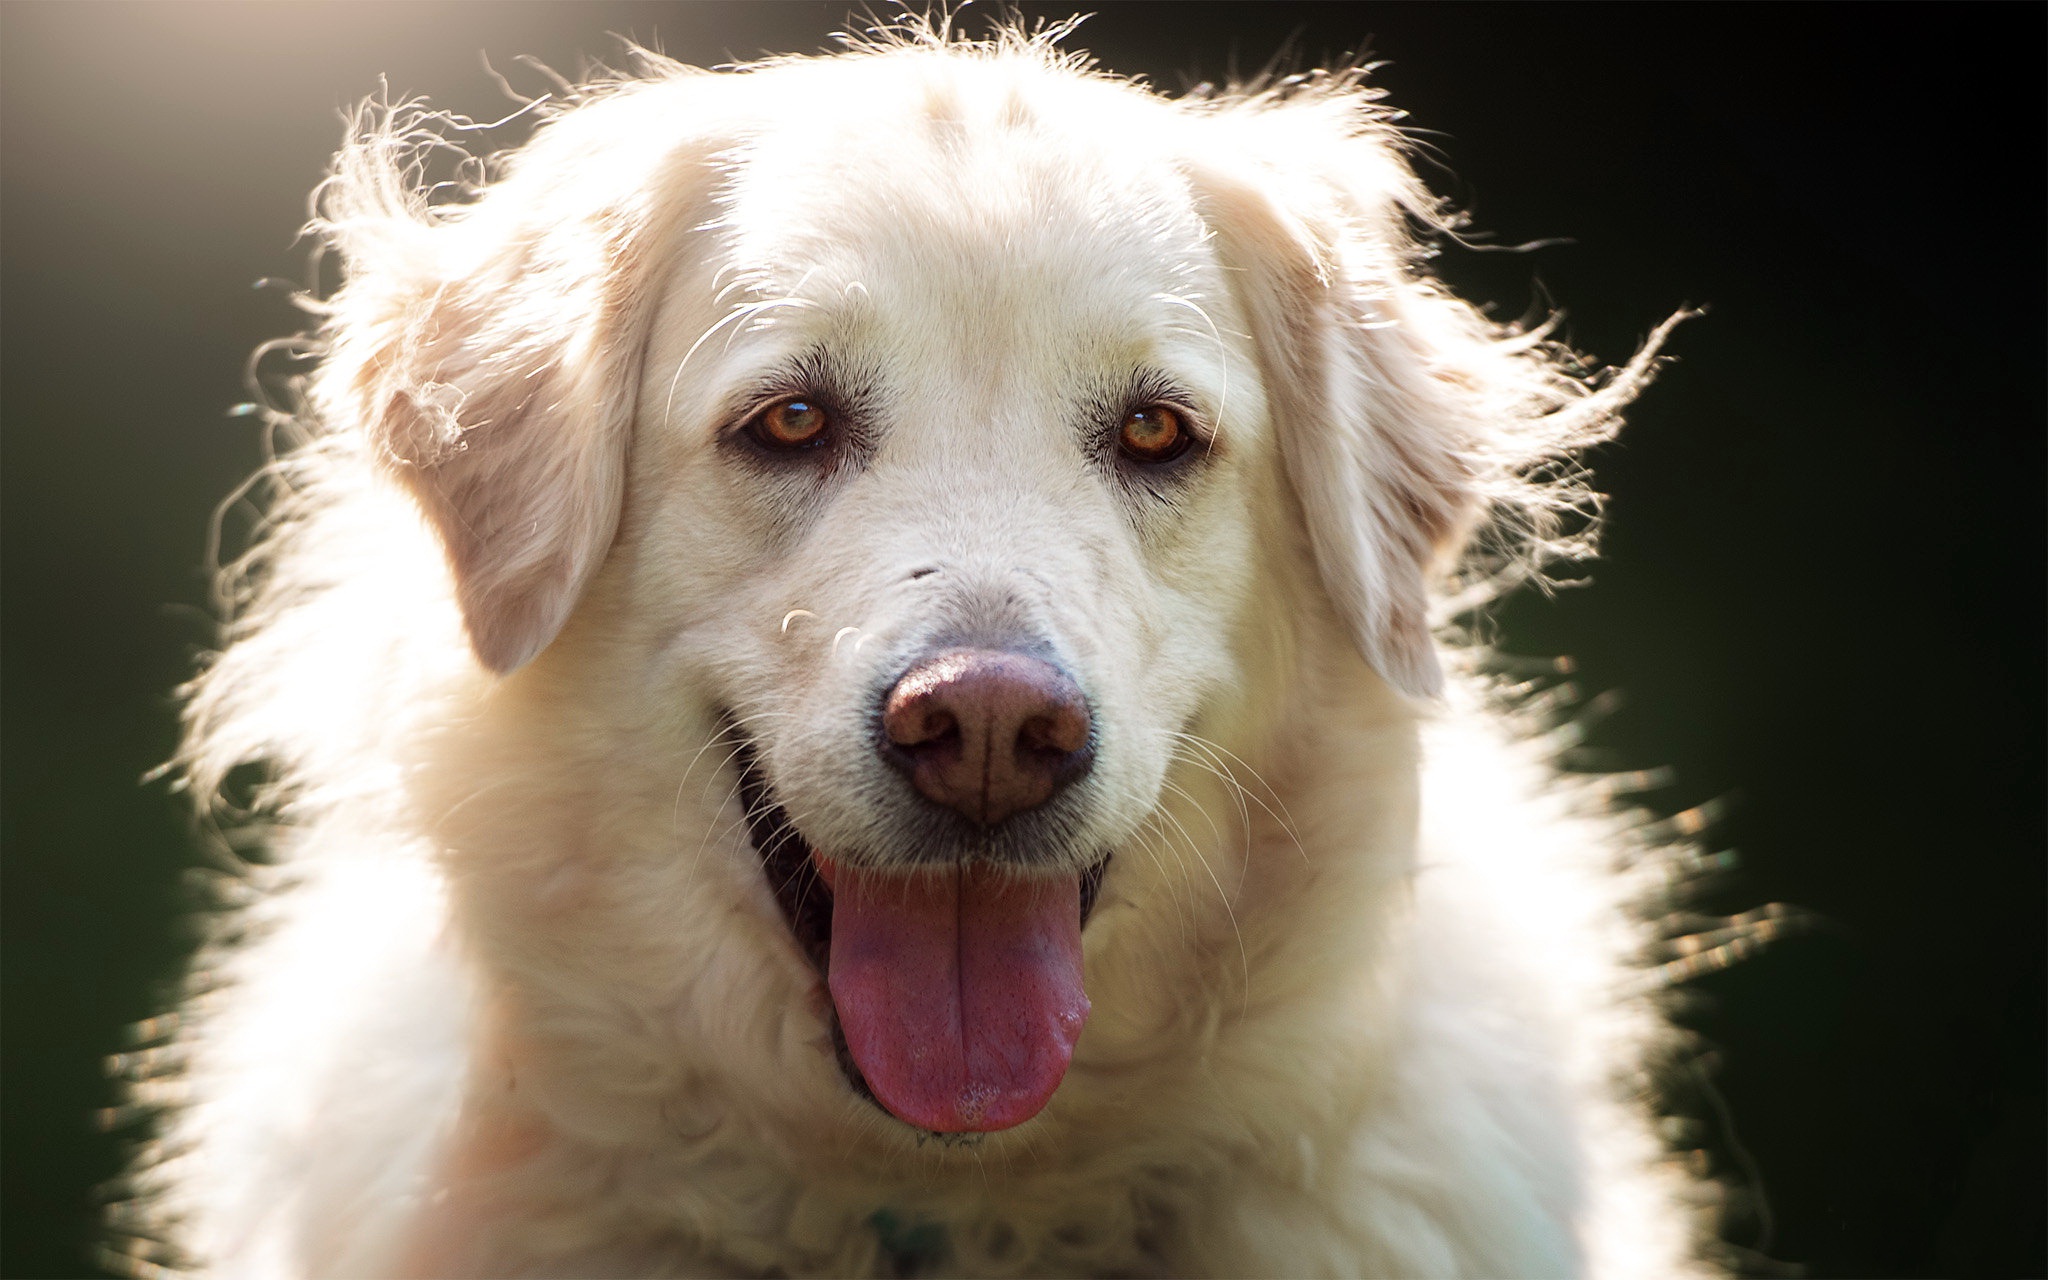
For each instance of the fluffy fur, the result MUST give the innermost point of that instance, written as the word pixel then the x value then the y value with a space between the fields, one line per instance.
pixel 511 994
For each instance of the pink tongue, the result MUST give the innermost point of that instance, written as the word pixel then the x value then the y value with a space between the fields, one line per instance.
pixel 959 991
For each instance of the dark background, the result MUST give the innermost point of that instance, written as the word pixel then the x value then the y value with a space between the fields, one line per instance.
pixel 1822 594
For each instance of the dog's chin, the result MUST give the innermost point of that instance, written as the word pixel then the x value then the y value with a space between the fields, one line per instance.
pixel 955 986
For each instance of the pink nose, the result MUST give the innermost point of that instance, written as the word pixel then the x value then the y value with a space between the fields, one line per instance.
pixel 987 732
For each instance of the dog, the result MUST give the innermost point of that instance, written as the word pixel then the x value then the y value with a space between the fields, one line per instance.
pixel 853 678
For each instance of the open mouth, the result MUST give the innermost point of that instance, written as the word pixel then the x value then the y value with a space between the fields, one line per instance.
pixel 956 992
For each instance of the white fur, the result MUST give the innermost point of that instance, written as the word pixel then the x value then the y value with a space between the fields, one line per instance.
pixel 514 998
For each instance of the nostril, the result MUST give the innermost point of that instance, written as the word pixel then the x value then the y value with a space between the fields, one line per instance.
pixel 918 722
pixel 1062 731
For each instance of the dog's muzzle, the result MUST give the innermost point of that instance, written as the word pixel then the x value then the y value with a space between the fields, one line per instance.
pixel 955 970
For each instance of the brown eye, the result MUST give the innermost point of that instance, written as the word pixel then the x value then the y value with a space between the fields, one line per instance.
pixel 1153 433
pixel 795 423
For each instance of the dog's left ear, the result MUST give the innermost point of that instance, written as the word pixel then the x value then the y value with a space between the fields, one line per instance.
pixel 1403 417
pixel 490 355
pixel 1372 420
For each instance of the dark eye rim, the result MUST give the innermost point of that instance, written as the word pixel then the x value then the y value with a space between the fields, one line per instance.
pixel 1191 433
pixel 751 430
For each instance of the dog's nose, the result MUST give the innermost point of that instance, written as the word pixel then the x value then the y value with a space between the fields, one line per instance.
pixel 987 732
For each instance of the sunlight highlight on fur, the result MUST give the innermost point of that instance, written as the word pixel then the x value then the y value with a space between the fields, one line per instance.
pixel 1337 972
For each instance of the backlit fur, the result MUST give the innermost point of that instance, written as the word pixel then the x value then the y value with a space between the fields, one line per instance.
pixel 511 995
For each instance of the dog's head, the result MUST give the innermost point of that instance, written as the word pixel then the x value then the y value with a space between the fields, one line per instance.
pixel 947 438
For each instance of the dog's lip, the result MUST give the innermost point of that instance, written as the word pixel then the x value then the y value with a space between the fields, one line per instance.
pixel 802 888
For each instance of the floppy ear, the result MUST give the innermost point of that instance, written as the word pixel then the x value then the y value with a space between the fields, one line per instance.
pixel 1403 417
pixel 1381 488
pixel 490 353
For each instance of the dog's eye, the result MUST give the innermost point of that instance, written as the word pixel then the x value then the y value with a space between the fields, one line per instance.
pixel 795 423
pixel 1153 433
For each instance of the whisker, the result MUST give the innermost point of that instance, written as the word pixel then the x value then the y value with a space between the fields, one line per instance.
pixel 1223 896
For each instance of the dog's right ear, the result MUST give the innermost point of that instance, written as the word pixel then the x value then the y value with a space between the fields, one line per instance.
pixel 490 351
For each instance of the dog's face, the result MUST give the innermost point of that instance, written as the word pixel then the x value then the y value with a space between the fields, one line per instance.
pixel 933 440
pixel 939 490
pixel 1016 428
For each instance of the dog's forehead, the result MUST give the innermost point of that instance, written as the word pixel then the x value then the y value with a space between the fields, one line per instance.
pixel 975 211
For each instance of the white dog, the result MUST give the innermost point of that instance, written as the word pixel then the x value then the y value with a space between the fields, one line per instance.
pixel 849 680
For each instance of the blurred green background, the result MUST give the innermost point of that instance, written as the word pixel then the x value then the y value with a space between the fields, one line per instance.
pixel 1823 593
